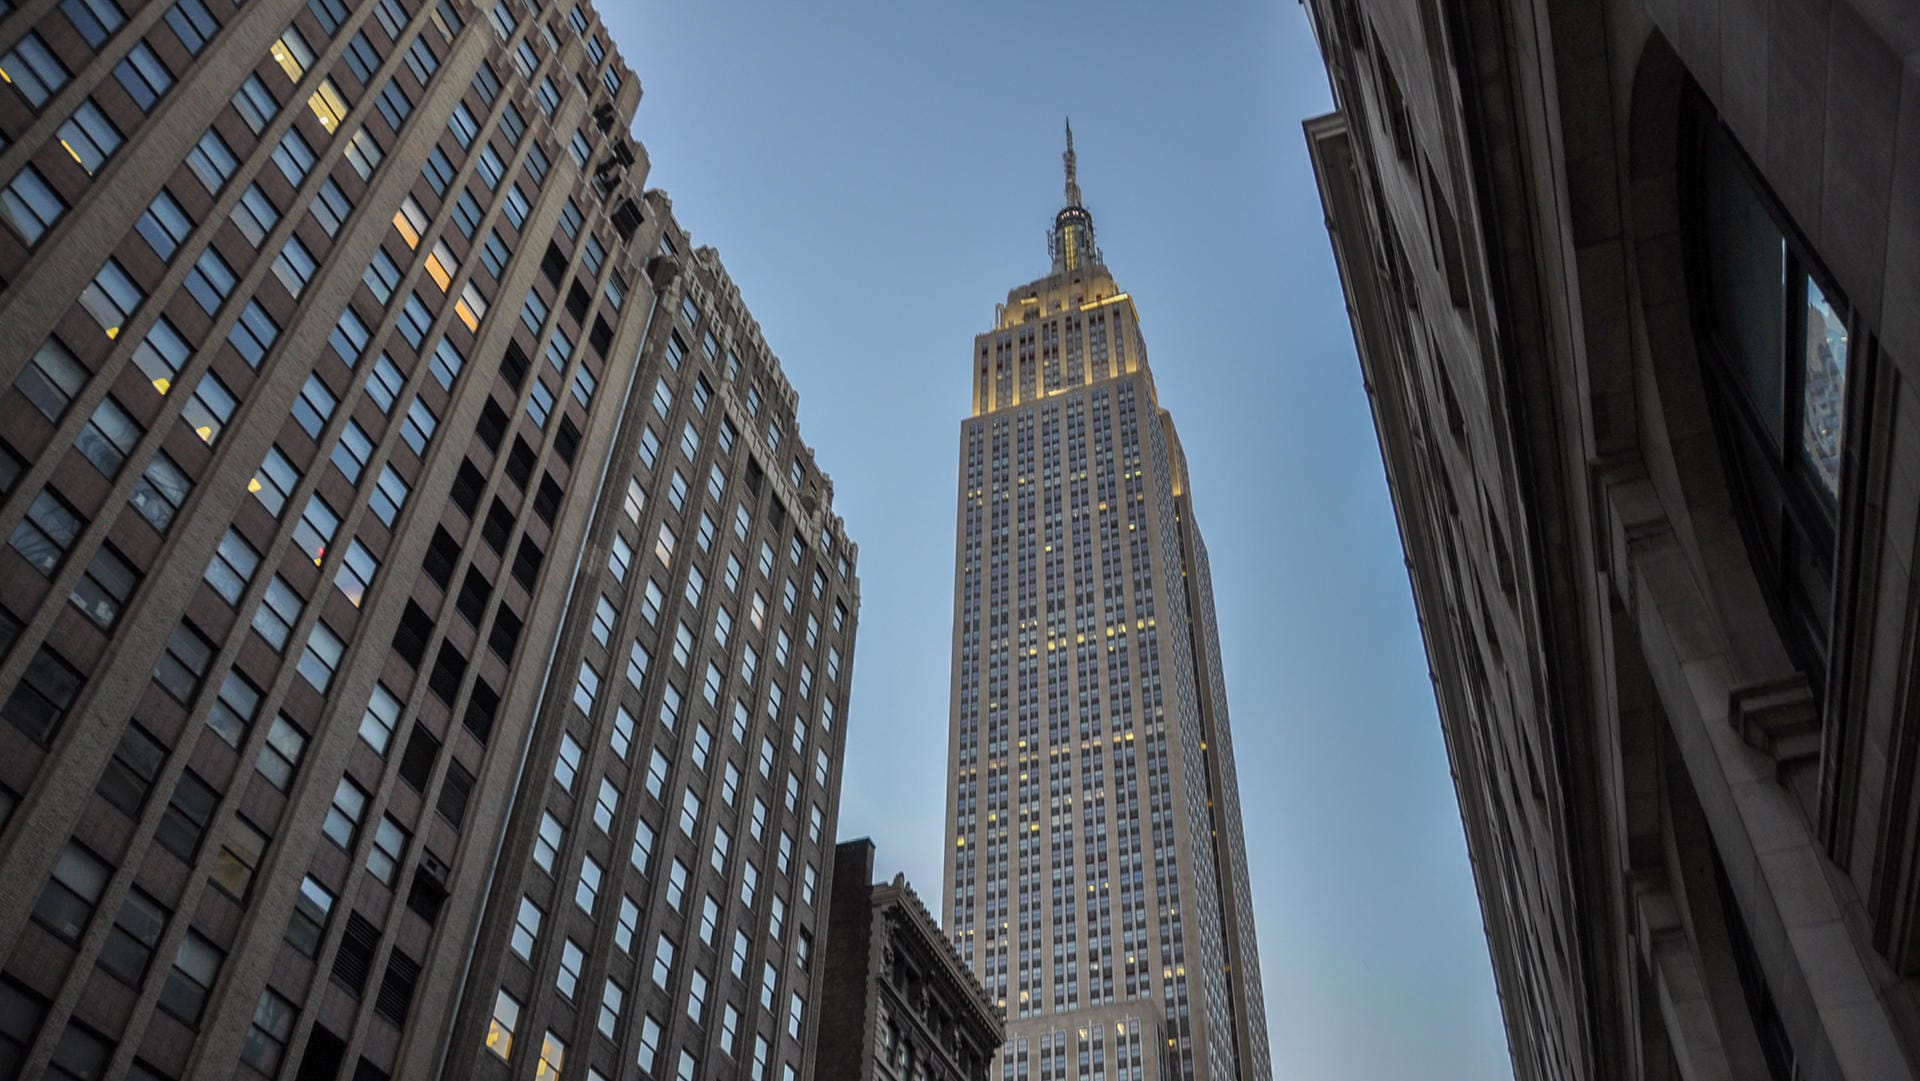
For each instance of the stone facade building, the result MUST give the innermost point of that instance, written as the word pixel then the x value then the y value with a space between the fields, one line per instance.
pixel 1096 877
pixel 416 597
pixel 1632 286
pixel 903 1006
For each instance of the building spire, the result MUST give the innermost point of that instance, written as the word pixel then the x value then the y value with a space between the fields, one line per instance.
pixel 1071 242
pixel 1073 179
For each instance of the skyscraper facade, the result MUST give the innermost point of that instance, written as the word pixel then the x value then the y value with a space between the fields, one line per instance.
pixel 1097 879
pixel 405 524
pixel 1631 285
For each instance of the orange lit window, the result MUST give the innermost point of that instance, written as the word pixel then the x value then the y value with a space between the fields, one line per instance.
pixel 410 221
pixel 471 307
pixel 441 265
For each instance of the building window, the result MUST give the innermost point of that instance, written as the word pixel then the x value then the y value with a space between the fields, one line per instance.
pixel 279 610
pixel 663 962
pixel 526 929
pixel 50 527
pixel 1777 344
pixel 587 892
pixel 30 204
pixel 389 842
pixel 66 903
pixel 649 1054
pixel 309 920
pixel 188 812
pixel 280 755
pixel 267 1039
pixel 195 968
pixel 136 932
pixel 553 1058
pixel 567 980
pixel 233 708
pixel 81 1053
pixel 381 718
pixel 343 818
pixel 629 923
pixel 567 766
pixel 643 838
pixel 33 70
pixel 506 1014
pixel 161 490
pixel 610 999
pixel 606 805
pixel 546 846
pixel 130 773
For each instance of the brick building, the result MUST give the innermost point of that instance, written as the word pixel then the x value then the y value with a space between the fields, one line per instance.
pixel 417 597
pixel 904 1007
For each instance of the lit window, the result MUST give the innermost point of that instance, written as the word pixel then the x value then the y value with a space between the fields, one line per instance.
pixel 89 136
pixel 506 1014
pixel 33 70
pixel 290 51
pixel 329 104
pixel 410 221
pixel 441 265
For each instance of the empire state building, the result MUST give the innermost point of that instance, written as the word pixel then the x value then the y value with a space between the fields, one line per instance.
pixel 1097 877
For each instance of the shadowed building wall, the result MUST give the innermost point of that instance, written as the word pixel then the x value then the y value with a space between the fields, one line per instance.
pixel 1631 285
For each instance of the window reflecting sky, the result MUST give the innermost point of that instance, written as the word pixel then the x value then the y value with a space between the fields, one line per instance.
pixel 876 178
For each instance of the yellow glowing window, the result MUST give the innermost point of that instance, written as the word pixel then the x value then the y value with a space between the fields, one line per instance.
pixel 328 105
pixel 292 54
pixel 506 1014
pixel 471 307
pixel 553 1058
pixel 441 265
pixel 410 221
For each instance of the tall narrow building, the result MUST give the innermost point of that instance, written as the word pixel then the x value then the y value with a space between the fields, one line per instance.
pixel 1098 878
pixel 422 628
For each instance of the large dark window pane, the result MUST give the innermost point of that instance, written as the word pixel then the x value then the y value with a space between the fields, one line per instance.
pixel 136 931
pixel 1747 260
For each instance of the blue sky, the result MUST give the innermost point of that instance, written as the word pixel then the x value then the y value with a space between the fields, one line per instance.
pixel 876 177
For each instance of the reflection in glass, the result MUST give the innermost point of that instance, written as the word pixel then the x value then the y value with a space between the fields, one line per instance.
pixel 1824 370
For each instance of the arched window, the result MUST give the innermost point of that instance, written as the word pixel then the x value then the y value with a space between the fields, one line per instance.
pixel 1776 343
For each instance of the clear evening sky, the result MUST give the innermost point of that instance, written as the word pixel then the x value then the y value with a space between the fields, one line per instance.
pixel 876 177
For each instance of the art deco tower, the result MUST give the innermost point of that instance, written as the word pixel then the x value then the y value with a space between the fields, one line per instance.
pixel 1098 882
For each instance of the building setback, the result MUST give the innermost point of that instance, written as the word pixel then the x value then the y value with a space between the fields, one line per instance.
pixel 902 1004
pixel 1632 287
pixel 1097 882
pixel 405 521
